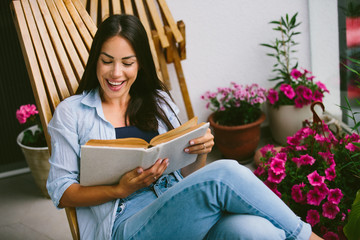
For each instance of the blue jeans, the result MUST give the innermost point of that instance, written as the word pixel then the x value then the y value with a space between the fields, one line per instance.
pixel 223 200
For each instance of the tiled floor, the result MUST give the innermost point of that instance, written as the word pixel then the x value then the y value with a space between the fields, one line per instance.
pixel 25 214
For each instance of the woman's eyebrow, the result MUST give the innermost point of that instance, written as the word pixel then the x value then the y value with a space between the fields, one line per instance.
pixel 124 58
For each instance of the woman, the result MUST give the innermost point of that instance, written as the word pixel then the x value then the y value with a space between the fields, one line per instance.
pixel 120 96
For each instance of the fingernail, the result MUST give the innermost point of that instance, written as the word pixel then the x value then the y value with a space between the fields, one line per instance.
pixel 139 170
pixel 186 150
pixel 192 143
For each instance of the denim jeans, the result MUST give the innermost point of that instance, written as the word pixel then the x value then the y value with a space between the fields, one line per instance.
pixel 223 200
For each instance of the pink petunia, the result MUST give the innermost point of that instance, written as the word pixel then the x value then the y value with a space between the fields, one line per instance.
pixel 275 178
pixel 315 179
pixel 259 171
pixel 322 86
pixel 295 73
pixel 335 196
pixel 307 159
pixel 331 236
pixel 273 96
pixel 330 173
pixel 267 148
pixel 312 217
pixel 330 210
pixel 318 96
pixel 277 165
pixel 351 147
pixel 294 141
pixel 297 193
pixel 288 90
pixel 314 197
pixel 305 92
pixel 282 156
pixel 322 189
pixel 300 102
pixel 25 112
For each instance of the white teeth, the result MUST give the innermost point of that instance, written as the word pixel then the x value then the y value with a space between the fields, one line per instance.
pixel 116 83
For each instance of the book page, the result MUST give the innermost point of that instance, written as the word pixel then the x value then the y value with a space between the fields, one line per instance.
pixel 121 142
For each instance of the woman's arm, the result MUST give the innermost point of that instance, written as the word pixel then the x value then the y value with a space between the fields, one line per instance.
pixel 201 146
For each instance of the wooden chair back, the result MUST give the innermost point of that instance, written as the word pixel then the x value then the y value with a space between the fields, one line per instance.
pixel 56 36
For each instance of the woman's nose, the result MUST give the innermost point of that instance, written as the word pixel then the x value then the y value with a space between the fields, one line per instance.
pixel 117 70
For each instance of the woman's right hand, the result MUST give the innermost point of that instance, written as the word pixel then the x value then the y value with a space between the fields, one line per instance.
pixel 140 178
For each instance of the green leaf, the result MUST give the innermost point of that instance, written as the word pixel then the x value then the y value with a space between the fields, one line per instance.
pixel 351 229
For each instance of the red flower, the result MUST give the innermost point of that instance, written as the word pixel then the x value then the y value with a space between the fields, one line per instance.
pixel 330 210
pixel 312 217
pixel 335 196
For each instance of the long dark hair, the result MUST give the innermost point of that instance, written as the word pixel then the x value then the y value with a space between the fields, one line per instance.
pixel 143 107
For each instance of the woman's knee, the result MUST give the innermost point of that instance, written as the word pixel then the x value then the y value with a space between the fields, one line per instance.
pixel 240 226
pixel 227 167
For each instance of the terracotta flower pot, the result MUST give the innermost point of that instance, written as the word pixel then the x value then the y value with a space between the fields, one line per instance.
pixel 237 142
pixel 37 159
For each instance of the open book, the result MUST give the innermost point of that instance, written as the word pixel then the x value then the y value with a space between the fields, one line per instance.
pixel 103 162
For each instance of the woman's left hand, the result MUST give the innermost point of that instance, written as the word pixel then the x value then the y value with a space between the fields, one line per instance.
pixel 201 145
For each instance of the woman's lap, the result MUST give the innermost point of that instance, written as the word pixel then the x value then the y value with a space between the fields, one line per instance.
pixel 192 207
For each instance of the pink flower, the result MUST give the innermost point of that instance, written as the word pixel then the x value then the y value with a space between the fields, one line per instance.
pixel 277 165
pixel 313 217
pixel 300 102
pixel 330 236
pixel 25 112
pixel 351 147
pixel 282 156
pixel 288 90
pixel 322 189
pixel 267 148
pixel 315 179
pixel 330 173
pixel 297 193
pixel 275 178
pixel 322 86
pixel 327 156
pixel 259 171
pixel 330 210
pixel 335 196
pixel 305 92
pixel 295 73
pixel 314 197
pixel 273 96
pixel 318 96
pixel 307 159
pixel 294 141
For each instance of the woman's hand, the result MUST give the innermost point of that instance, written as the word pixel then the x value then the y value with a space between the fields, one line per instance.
pixel 201 145
pixel 140 178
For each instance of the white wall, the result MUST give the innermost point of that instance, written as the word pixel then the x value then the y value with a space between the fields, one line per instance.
pixel 223 44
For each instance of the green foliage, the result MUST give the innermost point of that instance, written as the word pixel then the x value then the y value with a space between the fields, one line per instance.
pixel 352 230
pixel 282 48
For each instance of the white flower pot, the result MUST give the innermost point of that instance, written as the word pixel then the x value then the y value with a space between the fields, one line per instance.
pixel 37 159
pixel 286 121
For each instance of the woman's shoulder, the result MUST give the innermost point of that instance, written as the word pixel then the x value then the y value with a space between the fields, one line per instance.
pixel 166 102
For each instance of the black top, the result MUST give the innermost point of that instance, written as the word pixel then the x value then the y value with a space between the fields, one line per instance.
pixel 133 131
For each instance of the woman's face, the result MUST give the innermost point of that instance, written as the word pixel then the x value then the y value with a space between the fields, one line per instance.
pixel 117 68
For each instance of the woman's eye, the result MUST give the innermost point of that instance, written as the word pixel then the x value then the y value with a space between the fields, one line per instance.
pixel 106 62
pixel 128 64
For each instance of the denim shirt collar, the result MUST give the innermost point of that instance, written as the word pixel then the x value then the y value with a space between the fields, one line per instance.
pixel 92 99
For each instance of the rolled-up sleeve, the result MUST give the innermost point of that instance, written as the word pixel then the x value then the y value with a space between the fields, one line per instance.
pixel 65 152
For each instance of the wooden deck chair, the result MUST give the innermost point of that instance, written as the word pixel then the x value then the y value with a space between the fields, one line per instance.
pixel 55 38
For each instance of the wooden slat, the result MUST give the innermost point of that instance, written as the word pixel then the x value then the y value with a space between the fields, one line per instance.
pixel 182 47
pixel 143 18
pixel 105 10
pixel 94 10
pixel 66 40
pixel 74 34
pixel 89 23
pixel 50 88
pixel 58 76
pixel 158 23
pixel 32 67
pixel 68 72
pixel 128 7
pixel 80 26
pixel 170 20
pixel 180 75
pixel 116 7
pixel 162 61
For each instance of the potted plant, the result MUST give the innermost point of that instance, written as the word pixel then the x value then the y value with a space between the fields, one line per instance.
pixel 236 119
pixel 317 174
pixel 33 145
pixel 289 100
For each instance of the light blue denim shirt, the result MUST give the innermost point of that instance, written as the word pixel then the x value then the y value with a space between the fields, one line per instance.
pixel 76 120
